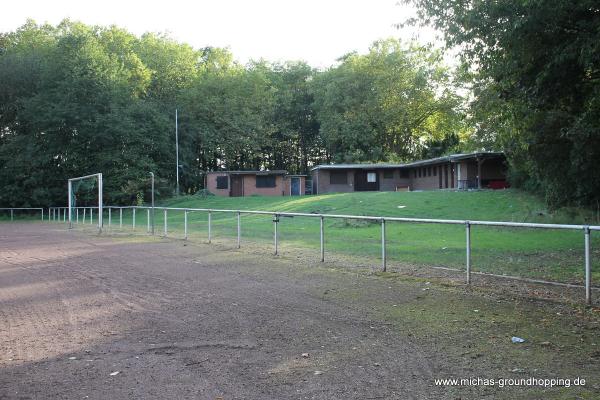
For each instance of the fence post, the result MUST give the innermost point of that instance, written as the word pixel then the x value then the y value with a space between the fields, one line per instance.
pixel 468 233
pixel 275 221
pixel 133 219
pixel 91 216
pixel 322 230
pixel 383 255
pixel 109 217
pixel 209 227
pixel 185 225
pixel 588 268
pixel 83 218
pixel 42 214
pixel 120 218
pixel 65 215
pixel 76 215
pixel 165 221
pixel 148 220
pixel 12 214
pixel 239 229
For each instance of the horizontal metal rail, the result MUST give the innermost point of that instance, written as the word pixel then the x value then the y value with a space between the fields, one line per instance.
pixel 587 229
pixel 13 209
pixel 372 218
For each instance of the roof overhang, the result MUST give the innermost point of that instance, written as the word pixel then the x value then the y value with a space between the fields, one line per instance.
pixel 451 158
pixel 275 172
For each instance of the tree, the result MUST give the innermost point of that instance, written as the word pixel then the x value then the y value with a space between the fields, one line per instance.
pixel 536 70
pixel 387 104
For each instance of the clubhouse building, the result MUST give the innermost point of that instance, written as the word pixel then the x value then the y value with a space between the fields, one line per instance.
pixel 457 171
pixel 248 183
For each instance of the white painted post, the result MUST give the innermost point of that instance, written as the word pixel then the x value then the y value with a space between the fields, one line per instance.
pixel 12 214
pixel 109 217
pixel 83 219
pixel 77 215
pixel 588 268
pixel 165 221
pixel 91 216
pixel 239 230
pixel 383 255
pixel 185 225
pixel 468 232
pixel 148 220
pixel 100 204
pixel 209 226
pixel 133 219
pixel 120 218
pixel 322 239
pixel 275 221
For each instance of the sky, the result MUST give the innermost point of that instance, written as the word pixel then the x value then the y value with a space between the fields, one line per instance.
pixel 317 32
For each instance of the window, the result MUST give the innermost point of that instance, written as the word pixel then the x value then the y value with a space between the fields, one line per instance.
pixel 404 173
pixel 388 174
pixel 420 172
pixel 265 181
pixel 428 171
pixel 371 177
pixel 222 182
pixel 338 177
pixel 435 171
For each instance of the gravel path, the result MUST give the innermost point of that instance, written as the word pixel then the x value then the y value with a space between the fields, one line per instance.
pixel 94 317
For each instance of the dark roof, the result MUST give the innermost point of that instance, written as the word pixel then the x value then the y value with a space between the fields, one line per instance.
pixel 274 172
pixel 455 157
pixel 357 166
pixel 449 158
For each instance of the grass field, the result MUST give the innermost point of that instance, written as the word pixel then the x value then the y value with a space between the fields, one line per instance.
pixel 546 254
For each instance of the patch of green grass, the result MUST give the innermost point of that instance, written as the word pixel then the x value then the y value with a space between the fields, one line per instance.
pixel 477 333
pixel 545 254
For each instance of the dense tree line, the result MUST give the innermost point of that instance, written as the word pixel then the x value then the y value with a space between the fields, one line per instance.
pixel 534 68
pixel 78 99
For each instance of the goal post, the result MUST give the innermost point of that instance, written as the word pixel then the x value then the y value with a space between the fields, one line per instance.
pixel 71 197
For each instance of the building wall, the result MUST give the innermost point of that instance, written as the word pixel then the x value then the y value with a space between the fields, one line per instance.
pixel 391 184
pixel 250 188
pixel 428 180
pixel 211 184
pixel 322 178
pixel 430 177
pixel 282 185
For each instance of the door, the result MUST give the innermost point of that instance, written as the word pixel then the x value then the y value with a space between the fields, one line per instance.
pixel 237 186
pixel 446 176
pixel 295 187
pixel 366 181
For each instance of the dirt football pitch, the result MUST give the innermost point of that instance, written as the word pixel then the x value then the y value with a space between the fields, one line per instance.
pixel 132 317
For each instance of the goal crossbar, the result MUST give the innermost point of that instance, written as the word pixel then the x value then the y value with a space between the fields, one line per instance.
pixel 100 205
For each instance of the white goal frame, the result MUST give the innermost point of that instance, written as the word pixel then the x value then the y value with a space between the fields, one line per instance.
pixel 100 205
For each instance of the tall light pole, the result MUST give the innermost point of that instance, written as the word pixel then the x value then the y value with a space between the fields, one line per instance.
pixel 152 176
pixel 177 151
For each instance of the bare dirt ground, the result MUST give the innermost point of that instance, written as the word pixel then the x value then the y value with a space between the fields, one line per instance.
pixel 83 316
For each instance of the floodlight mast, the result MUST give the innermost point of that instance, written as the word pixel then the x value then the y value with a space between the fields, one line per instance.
pixel 100 204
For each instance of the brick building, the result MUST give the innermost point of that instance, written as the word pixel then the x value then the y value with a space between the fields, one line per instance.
pixel 456 171
pixel 248 183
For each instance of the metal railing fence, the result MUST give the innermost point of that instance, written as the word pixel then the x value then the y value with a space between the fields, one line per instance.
pixel 55 214
pixel 12 210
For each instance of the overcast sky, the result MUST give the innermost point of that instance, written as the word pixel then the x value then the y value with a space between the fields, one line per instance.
pixel 311 30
